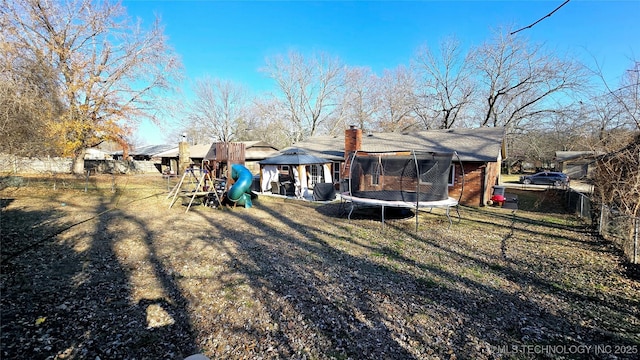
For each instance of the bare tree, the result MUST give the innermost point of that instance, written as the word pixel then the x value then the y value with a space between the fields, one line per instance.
pixel 397 101
pixel 565 131
pixel 617 180
pixel 219 109
pixel 520 82
pixel 626 98
pixel 617 175
pixel 360 101
pixel 267 125
pixel 447 84
pixel 612 114
pixel 629 94
pixel 308 88
pixel 109 70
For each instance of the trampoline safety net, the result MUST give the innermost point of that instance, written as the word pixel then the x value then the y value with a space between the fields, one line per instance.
pixel 409 176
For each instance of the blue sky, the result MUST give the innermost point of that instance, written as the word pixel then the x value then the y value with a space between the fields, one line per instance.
pixel 231 39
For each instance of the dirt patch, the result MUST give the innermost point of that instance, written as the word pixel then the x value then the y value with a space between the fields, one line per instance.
pixel 112 272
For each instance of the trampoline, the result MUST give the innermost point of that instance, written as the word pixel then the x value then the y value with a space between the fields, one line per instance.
pixel 407 179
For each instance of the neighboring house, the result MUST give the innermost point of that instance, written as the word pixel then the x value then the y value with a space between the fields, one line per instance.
pixel 254 151
pixel 169 158
pixel 146 152
pixel 478 154
pixel 517 166
pixel 146 156
pixel 576 164
pixel 97 154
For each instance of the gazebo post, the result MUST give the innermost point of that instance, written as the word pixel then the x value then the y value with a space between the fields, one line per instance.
pixel 302 175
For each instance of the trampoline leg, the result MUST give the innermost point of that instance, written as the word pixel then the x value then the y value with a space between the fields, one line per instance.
pixel 383 216
pixel 350 211
pixel 449 217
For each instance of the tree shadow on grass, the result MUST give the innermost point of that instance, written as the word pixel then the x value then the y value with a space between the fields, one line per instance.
pixel 71 296
pixel 528 273
pixel 379 304
pixel 364 212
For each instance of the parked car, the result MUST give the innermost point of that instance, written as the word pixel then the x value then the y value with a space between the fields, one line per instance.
pixel 546 178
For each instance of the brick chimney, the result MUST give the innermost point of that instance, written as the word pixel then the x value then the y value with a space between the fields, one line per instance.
pixel 184 158
pixel 352 143
pixel 352 140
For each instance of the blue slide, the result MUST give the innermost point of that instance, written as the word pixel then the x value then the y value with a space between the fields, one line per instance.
pixel 240 192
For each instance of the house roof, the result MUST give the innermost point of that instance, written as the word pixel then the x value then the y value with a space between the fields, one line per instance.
pixel 169 153
pixel 258 150
pixel 480 144
pixel 195 151
pixel 93 153
pixel 253 150
pixel 198 151
pixel 294 156
pixel 150 150
pixel 146 150
pixel 574 155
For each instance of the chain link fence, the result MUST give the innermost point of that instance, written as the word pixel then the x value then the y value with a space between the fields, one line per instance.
pixel 622 230
pixel 580 204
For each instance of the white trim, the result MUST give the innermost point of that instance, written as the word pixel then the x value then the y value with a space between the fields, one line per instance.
pixel 452 175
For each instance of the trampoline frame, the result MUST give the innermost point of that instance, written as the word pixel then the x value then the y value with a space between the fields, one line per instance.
pixel 446 204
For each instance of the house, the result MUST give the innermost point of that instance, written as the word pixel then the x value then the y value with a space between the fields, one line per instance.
pixel 169 158
pixel 146 152
pixel 254 151
pixel 517 165
pixel 576 164
pixel 97 154
pixel 477 159
pixel 140 159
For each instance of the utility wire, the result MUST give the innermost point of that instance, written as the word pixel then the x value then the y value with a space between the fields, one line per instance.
pixel 542 18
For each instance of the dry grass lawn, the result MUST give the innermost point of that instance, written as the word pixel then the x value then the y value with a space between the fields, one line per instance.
pixel 113 273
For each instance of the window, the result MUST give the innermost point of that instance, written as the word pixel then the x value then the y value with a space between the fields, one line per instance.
pixel 336 171
pixel 375 173
pixel 452 175
pixel 315 174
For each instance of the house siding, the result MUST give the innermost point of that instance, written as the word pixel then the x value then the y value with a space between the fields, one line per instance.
pixel 473 183
pixel 492 178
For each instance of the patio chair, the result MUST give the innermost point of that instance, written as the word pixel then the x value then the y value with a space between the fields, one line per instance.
pixel 275 187
pixel 287 189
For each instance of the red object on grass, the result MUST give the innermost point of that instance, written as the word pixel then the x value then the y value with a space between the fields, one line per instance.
pixel 498 199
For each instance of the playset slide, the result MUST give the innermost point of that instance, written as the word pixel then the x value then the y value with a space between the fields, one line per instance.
pixel 240 192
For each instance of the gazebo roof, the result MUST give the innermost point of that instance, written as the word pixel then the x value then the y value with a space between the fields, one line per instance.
pixel 294 156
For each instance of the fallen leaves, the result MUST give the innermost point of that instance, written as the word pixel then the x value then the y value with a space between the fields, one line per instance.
pixel 296 280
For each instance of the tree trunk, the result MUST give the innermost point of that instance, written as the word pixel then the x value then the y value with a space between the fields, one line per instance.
pixel 77 166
